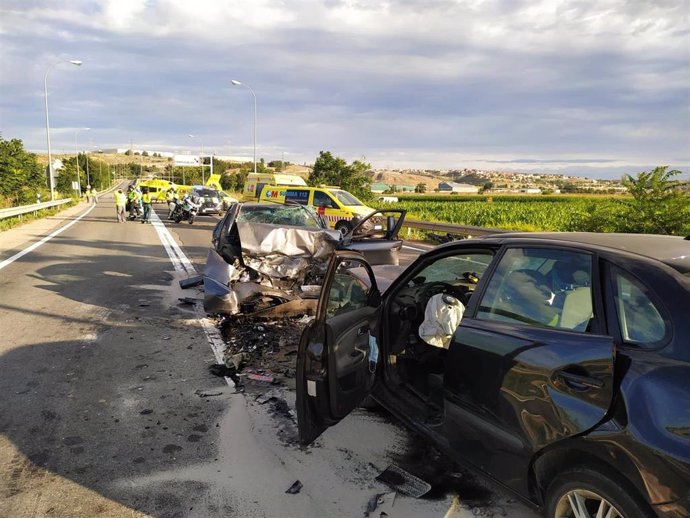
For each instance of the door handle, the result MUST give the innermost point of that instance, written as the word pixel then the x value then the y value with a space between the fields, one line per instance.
pixel 362 330
pixel 579 381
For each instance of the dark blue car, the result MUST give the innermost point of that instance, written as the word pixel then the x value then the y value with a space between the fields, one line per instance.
pixel 556 364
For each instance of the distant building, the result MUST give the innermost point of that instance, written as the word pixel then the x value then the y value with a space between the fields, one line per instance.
pixel 379 187
pixel 463 188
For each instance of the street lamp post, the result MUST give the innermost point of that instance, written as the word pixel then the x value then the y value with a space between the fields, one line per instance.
pixel 76 157
pixel 50 155
pixel 239 83
pixel 88 174
pixel 100 168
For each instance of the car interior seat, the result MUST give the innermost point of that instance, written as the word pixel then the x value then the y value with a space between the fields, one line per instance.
pixel 577 309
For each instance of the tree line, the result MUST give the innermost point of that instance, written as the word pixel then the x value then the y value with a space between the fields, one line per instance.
pixel 659 203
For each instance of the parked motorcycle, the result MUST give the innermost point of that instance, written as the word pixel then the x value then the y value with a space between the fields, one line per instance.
pixel 186 210
pixel 135 210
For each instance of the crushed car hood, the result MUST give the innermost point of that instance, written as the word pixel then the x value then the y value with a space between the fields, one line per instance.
pixel 283 252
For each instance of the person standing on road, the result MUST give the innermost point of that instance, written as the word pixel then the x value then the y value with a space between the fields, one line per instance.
pixel 91 195
pixel 146 200
pixel 120 204
pixel 171 197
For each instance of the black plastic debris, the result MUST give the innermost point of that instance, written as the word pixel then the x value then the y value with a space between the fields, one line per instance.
pixel 265 398
pixel 223 371
pixel 203 394
pixel 188 300
pixel 191 282
pixel 295 488
pixel 404 482
pixel 268 346
pixel 380 505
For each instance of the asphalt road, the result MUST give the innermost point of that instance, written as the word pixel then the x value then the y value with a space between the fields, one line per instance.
pixel 108 409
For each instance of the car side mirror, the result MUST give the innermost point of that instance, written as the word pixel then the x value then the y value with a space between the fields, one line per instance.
pixel 374 297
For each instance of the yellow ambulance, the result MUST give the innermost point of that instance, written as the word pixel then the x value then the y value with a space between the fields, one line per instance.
pixel 255 182
pixel 157 187
pixel 337 206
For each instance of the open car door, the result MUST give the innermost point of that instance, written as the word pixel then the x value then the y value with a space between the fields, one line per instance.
pixel 376 236
pixel 337 356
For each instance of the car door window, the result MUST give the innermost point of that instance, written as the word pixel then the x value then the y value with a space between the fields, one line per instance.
pixel 463 267
pixel 349 291
pixel 543 287
pixel 321 199
pixel 641 321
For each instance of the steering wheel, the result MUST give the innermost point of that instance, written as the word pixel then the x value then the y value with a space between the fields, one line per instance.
pixel 434 288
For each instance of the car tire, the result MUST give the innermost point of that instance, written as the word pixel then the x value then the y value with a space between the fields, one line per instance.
pixel 592 488
pixel 343 227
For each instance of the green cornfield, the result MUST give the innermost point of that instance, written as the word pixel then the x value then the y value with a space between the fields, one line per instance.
pixel 523 213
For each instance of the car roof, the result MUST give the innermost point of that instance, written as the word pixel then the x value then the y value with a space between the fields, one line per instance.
pixel 672 250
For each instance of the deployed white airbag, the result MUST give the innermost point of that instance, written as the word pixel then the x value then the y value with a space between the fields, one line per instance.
pixel 441 318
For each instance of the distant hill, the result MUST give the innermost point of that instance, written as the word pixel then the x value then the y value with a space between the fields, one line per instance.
pixel 403 178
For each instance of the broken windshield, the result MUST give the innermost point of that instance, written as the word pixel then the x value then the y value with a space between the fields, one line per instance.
pixel 292 215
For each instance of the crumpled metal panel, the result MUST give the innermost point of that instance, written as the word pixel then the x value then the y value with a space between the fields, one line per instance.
pixel 277 254
pixel 283 252
pixel 223 295
pixel 279 266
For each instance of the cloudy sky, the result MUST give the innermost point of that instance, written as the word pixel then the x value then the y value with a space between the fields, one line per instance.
pixel 589 87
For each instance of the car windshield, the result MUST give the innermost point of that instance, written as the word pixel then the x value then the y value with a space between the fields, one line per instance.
pixel 345 197
pixel 297 216
pixel 207 193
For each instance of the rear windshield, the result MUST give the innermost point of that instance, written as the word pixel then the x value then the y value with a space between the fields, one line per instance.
pixel 207 193
pixel 345 197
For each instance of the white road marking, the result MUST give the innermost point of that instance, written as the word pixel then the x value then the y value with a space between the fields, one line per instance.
pixel 33 247
pixel 416 249
pixel 182 264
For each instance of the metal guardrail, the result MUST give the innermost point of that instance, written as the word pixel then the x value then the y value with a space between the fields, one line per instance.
pixel 27 209
pixel 456 230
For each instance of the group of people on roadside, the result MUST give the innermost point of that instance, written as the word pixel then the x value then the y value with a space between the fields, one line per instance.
pixel 137 202
pixel 91 195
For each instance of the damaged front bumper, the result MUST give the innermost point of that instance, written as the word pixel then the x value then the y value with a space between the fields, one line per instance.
pixel 276 273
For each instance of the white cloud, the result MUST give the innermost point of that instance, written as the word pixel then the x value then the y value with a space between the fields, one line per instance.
pixel 438 79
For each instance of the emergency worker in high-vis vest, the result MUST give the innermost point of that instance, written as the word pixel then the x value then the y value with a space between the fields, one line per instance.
pixel 120 204
pixel 146 199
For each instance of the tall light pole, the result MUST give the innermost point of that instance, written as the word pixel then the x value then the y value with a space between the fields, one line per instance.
pixel 76 157
pixel 201 157
pixel 50 155
pixel 88 174
pixel 235 82
pixel 100 170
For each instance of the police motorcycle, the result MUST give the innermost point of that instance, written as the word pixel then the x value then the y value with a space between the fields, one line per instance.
pixel 186 210
pixel 134 206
